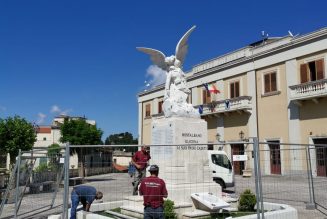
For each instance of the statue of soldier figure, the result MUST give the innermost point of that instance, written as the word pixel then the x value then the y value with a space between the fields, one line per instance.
pixel 176 92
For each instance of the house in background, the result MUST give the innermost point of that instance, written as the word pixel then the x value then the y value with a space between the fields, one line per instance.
pixel 96 161
pixel 122 158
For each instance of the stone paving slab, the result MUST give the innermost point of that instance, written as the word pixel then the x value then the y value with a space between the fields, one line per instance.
pixel 115 186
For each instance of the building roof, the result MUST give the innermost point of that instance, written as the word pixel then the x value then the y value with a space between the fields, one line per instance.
pixel 44 129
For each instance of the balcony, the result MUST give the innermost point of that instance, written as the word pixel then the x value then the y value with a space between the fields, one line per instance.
pixel 239 104
pixel 310 90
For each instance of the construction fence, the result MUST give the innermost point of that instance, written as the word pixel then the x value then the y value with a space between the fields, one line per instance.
pixel 275 174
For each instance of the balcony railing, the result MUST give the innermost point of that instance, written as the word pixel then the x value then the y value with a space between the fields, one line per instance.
pixel 309 90
pixel 239 104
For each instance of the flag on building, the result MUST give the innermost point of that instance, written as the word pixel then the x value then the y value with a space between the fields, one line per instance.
pixel 201 109
pixel 211 88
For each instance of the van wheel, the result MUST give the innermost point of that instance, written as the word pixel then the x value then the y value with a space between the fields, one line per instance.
pixel 221 183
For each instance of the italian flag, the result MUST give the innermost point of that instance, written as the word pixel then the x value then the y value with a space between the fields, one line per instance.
pixel 211 88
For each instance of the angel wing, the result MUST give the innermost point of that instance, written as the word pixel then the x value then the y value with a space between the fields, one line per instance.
pixel 157 57
pixel 181 48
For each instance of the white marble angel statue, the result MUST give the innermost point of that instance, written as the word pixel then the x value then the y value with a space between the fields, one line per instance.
pixel 176 91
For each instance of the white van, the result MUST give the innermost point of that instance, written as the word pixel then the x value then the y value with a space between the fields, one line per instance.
pixel 222 168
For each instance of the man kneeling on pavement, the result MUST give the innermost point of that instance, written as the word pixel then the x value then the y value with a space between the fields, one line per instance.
pixel 85 195
pixel 153 190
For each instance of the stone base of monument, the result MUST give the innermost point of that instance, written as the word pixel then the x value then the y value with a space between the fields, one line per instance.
pixel 182 158
pixel 180 194
pixel 133 207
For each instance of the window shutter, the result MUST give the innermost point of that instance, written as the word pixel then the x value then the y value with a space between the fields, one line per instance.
pixel 208 97
pixel 232 94
pixel 304 73
pixel 237 89
pixel 267 84
pixel 204 96
pixel 273 81
pixel 160 106
pixel 320 69
pixel 147 110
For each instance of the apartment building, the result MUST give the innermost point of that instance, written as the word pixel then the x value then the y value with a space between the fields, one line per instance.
pixel 274 89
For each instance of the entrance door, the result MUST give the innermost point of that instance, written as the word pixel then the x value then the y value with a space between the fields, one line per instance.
pixel 238 149
pixel 321 155
pixel 275 164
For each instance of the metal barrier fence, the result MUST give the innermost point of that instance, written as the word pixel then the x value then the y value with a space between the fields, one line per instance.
pixel 34 184
pixel 317 154
pixel 274 172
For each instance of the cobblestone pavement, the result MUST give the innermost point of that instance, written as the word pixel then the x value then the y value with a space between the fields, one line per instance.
pixel 292 190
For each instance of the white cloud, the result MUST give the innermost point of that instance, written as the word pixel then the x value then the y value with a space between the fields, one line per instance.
pixel 158 76
pixel 55 109
pixel 65 112
pixel 40 118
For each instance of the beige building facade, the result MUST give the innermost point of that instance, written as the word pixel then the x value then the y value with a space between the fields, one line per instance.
pixel 274 89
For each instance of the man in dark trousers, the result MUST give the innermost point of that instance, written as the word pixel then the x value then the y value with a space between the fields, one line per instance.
pixel 140 161
pixel 85 195
pixel 153 190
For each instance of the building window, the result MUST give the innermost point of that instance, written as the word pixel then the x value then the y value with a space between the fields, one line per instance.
pixel 206 96
pixel 160 106
pixel 270 82
pixel 234 89
pixel 147 110
pixel 312 71
pixel 44 138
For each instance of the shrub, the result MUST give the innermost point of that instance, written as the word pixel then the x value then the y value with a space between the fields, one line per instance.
pixel 247 201
pixel 169 209
pixel 42 168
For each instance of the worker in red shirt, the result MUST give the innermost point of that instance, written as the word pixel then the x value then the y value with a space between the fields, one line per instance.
pixel 140 161
pixel 153 190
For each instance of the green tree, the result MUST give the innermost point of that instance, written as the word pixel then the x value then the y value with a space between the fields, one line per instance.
pixel 79 132
pixel 54 156
pixel 16 133
pixel 122 139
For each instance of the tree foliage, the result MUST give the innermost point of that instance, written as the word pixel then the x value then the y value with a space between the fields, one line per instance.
pixel 169 211
pixel 79 132
pixel 16 133
pixel 247 201
pixel 124 138
pixel 54 156
pixel 53 150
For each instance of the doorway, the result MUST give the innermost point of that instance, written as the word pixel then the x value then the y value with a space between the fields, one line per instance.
pixel 321 156
pixel 275 162
pixel 238 149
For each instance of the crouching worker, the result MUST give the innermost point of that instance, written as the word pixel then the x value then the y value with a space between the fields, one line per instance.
pixel 85 195
pixel 153 190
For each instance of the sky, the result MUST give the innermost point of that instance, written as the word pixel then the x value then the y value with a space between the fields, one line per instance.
pixel 79 58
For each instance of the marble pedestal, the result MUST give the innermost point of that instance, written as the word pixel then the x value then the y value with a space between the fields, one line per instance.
pixel 182 158
pixel 184 166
